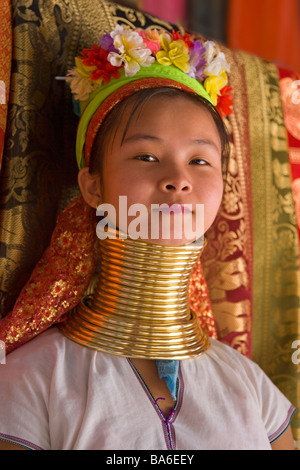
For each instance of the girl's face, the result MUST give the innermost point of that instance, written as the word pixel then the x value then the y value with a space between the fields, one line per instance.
pixel 171 154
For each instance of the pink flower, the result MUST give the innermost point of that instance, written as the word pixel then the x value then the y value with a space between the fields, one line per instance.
pixel 151 40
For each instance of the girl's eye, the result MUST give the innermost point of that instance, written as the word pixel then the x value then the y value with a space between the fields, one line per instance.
pixel 199 161
pixel 146 158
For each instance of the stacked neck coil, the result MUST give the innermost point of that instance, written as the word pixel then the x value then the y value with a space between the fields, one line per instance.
pixel 140 305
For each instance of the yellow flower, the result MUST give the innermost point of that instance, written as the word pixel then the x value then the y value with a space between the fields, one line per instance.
pixel 84 70
pixel 173 53
pixel 214 84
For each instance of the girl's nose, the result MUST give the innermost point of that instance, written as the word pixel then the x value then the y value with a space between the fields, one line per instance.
pixel 175 184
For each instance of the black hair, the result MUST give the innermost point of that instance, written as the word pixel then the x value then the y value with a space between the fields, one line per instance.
pixel 137 101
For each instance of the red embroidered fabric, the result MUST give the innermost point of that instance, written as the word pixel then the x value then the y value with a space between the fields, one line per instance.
pixel 58 281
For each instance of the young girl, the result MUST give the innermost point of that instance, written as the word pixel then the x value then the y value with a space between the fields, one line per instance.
pixel 131 368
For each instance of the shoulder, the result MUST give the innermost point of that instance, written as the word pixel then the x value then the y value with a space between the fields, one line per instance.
pixel 219 349
pixel 220 354
pixel 42 356
pixel 51 355
pixel 229 368
pixel 46 345
pixel 224 365
pixel 231 358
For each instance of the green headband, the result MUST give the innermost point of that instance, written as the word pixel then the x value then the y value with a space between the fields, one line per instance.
pixel 166 74
pixel 127 61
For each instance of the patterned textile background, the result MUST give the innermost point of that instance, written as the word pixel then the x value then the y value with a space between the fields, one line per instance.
pixel 5 66
pixel 251 263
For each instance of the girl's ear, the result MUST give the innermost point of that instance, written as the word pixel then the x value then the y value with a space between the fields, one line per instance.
pixel 90 187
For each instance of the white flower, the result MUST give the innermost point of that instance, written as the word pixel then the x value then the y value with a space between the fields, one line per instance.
pixel 132 51
pixel 217 65
pixel 210 51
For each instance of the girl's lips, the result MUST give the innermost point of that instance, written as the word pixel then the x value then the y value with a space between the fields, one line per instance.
pixel 174 208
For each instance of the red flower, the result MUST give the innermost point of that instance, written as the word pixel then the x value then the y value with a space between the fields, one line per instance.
pixel 176 36
pixel 97 57
pixel 225 102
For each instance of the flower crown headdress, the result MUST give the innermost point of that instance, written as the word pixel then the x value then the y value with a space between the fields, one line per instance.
pixel 157 58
